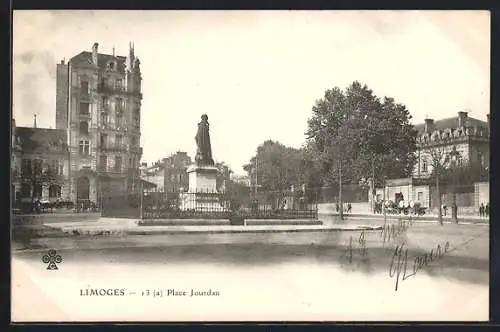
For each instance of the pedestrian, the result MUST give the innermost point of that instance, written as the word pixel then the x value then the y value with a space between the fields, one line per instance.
pixel 487 209
pixel 349 207
pixel 337 207
pixel 481 210
pixel 444 207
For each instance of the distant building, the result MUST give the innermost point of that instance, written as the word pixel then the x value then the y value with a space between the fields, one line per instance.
pixel 154 174
pixel 468 136
pixel 40 164
pixel 98 104
pixel 175 171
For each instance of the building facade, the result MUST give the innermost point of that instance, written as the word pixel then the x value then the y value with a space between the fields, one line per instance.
pixel 469 137
pixel 175 171
pixel 98 106
pixel 40 164
pixel 153 175
pixel 457 140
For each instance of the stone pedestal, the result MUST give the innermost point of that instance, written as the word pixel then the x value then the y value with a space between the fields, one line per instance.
pixel 202 179
pixel 202 194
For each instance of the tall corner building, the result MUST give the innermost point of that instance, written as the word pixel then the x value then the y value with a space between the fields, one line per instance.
pixel 98 103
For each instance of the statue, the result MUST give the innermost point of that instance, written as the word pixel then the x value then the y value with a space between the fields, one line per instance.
pixel 204 151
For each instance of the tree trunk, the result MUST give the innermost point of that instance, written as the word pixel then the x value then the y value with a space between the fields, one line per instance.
pixel 341 208
pixel 440 215
pixel 372 190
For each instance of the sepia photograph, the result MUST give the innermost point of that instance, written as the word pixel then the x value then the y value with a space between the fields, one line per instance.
pixel 250 165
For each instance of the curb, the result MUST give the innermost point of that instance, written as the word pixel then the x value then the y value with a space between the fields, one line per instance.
pixel 62 233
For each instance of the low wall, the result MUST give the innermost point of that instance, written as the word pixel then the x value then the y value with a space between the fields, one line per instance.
pixel 41 219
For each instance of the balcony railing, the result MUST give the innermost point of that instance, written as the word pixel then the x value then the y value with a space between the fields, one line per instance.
pixel 113 147
pixel 110 89
pixel 110 127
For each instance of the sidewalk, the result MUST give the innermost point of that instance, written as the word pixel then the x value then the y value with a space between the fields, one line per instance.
pixel 121 227
pixel 424 218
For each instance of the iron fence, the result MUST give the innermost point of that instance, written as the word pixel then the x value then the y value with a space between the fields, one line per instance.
pixel 215 205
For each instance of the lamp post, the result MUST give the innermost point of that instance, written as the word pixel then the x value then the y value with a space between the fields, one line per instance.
pixel 454 158
pixel 341 211
pixel 383 202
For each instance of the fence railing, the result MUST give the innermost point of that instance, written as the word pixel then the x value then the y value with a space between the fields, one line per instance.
pixel 215 205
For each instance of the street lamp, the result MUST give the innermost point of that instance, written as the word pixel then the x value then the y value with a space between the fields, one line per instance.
pixel 383 202
pixel 454 158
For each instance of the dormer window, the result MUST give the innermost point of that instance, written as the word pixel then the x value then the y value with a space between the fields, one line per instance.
pixel 112 65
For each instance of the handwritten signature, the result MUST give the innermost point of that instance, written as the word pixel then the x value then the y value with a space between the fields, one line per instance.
pixel 393 231
pixel 361 247
pixel 399 262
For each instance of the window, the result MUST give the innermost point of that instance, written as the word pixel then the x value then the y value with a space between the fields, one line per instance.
pixel 118 104
pixel 103 141
pixel 420 196
pixel 84 86
pixel 103 163
pixel 84 147
pixel 133 141
pixel 120 123
pixel 104 118
pixel 119 140
pixel 378 198
pixel 38 191
pixel 424 166
pixel 54 191
pixel 84 128
pixel 119 84
pixel 84 109
pixel 38 166
pixel 26 167
pixel 118 164
pixel 105 102
pixel 25 190
pixel 56 167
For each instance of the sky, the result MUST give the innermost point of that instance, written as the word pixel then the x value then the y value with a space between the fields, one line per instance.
pixel 257 74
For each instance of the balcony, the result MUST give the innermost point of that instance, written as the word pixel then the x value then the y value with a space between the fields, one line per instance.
pixel 110 127
pixel 113 148
pixel 84 115
pixel 110 89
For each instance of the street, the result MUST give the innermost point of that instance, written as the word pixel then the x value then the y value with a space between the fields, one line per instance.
pixel 267 277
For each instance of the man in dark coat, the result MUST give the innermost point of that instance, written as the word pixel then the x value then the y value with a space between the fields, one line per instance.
pixel 204 151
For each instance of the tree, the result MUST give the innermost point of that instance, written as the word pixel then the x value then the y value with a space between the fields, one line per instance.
pixel 39 176
pixel 438 159
pixel 223 176
pixel 276 167
pixel 357 135
pixel 467 172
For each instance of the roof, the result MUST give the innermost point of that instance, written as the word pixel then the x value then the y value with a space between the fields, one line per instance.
pixel 102 60
pixel 452 123
pixel 41 140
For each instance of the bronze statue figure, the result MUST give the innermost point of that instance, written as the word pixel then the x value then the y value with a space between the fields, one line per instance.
pixel 204 151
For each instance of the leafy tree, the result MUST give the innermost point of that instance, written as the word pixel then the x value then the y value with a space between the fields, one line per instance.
pixel 359 135
pixel 276 168
pixel 38 177
pixel 223 175
pixel 467 173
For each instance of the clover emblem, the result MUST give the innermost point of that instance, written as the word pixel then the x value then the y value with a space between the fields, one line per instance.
pixel 52 258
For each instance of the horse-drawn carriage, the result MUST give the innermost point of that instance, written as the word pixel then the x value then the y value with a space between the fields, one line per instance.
pixel 402 207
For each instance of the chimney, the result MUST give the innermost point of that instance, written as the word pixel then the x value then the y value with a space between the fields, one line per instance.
pixel 62 62
pixel 34 121
pixel 462 119
pixel 94 53
pixel 429 125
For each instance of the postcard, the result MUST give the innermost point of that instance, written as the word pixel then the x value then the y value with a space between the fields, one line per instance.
pixel 187 166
